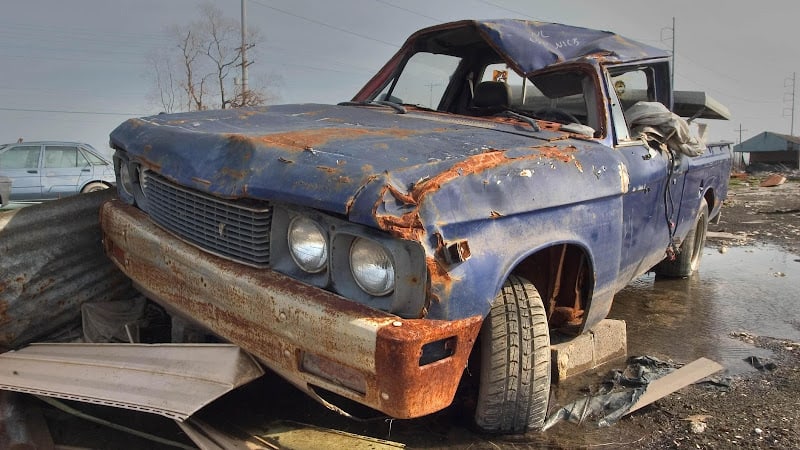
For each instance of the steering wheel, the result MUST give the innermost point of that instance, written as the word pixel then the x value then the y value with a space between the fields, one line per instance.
pixel 555 115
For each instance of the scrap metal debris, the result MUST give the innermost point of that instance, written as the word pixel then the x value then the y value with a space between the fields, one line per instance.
pixel 645 380
pixel 773 180
pixel 172 380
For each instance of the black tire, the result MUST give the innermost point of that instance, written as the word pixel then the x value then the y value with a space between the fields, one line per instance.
pixel 687 261
pixel 515 361
pixel 94 186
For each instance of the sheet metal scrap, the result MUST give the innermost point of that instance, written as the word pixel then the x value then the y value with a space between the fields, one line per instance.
pixel 52 262
pixel 172 380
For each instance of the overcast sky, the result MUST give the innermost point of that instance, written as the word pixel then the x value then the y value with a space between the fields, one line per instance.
pixel 74 69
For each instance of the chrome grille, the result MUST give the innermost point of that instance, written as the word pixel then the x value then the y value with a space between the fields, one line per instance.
pixel 225 228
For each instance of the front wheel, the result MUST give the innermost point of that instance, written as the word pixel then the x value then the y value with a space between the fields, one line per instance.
pixel 687 261
pixel 94 186
pixel 514 361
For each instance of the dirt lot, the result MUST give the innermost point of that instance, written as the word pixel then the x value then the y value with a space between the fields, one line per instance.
pixel 760 409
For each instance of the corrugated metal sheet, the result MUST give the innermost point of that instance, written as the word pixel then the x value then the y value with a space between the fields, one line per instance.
pixel 52 261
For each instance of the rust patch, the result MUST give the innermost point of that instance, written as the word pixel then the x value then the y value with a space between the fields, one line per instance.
pixel 234 174
pixel 408 388
pixel 495 215
pixel 309 139
pixel 330 170
pixel 349 204
pixel 4 313
pixel 345 180
pixel 563 154
pixel 408 226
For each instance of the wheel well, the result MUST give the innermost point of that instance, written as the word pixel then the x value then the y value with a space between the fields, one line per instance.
pixel 564 277
pixel 709 196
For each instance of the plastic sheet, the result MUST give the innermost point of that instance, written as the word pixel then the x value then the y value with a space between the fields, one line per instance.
pixel 655 122
pixel 620 394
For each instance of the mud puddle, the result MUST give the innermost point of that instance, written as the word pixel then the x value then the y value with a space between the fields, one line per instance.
pixel 745 289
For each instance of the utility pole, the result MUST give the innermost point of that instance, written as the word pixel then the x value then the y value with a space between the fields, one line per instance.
pixel 788 97
pixel 671 38
pixel 244 51
pixel 431 86
pixel 739 163
pixel 740 130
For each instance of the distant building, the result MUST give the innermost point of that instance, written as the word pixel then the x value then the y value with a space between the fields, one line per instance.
pixel 771 148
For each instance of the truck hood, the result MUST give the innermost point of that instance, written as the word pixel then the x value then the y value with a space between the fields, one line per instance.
pixel 319 156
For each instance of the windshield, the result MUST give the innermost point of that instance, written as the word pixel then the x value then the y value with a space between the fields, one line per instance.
pixel 423 80
pixel 479 85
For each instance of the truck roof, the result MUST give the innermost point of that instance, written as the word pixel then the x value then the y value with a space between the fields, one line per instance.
pixel 529 46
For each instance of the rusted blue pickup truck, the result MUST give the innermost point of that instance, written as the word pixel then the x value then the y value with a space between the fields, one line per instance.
pixel 496 180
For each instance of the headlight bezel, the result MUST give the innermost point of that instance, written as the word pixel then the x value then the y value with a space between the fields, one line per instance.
pixel 129 177
pixel 408 297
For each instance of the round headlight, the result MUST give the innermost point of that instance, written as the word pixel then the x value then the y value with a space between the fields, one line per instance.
pixel 125 177
pixel 307 244
pixel 372 267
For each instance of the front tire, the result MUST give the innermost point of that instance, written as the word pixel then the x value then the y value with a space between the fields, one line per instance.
pixel 687 261
pixel 94 186
pixel 514 361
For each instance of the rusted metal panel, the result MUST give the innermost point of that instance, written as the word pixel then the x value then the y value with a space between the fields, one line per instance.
pixel 367 355
pixel 172 380
pixel 22 426
pixel 52 261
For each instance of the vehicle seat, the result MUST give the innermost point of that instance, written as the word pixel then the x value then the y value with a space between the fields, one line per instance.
pixel 491 97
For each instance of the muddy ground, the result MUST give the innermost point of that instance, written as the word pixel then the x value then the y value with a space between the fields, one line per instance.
pixel 760 409
pixel 755 409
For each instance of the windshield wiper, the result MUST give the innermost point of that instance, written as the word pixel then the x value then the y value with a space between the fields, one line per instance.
pixel 530 121
pixel 395 106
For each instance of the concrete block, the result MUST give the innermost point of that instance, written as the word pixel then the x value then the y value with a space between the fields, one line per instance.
pixel 571 355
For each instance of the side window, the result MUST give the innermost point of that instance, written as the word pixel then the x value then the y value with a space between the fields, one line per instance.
pixel 629 85
pixel 60 156
pixel 92 158
pixel 632 87
pixel 424 80
pixel 20 157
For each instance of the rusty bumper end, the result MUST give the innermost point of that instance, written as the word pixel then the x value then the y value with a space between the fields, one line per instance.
pixel 315 339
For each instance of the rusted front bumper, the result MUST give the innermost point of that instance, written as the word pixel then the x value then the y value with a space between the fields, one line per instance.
pixel 311 337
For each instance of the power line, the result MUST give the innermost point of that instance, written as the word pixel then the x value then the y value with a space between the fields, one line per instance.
pixel 55 111
pixel 324 24
pixel 384 2
pixel 513 11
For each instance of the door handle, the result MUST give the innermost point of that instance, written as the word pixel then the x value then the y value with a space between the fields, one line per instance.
pixel 33 171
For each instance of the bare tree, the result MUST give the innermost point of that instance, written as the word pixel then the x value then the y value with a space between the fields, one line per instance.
pixel 165 91
pixel 198 72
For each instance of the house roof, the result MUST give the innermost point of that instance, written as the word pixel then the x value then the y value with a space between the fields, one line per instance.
pixel 769 141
